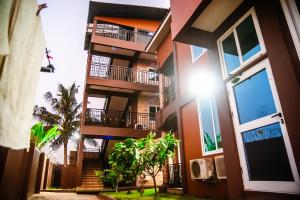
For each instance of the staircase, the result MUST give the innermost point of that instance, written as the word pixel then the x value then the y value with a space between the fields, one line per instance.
pixel 89 181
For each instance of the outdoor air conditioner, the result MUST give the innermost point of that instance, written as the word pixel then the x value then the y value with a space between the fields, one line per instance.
pixel 220 167
pixel 202 168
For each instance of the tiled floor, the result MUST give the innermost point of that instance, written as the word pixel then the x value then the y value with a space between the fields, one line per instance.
pixel 62 196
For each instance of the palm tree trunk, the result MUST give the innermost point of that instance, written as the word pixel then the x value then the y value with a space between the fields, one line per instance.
pixel 65 152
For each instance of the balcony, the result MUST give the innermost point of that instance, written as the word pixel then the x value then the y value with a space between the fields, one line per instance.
pixel 113 35
pixel 120 119
pixel 120 73
pixel 111 76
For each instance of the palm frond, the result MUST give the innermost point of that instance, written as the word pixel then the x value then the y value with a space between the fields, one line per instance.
pixel 56 143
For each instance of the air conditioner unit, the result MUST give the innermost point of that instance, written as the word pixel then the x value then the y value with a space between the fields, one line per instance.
pixel 220 167
pixel 202 168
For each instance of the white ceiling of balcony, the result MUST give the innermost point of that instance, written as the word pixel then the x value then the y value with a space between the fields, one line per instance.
pixel 118 103
pixel 215 13
pixel 114 50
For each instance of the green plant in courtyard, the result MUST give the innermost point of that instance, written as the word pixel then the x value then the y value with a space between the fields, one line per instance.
pixel 107 177
pixel 132 157
pixel 41 137
pixel 154 152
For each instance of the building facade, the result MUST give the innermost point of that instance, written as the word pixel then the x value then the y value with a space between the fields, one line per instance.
pixel 121 89
pixel 245 126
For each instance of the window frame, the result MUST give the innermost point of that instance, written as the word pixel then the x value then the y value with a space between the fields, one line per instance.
pixel 231 30
pixel 217 151
pixel 156 110
pixel 192 54
pixel 291 14
pixel 262 186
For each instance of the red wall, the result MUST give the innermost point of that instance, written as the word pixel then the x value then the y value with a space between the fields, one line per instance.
pixel 190 125
pixel 181 12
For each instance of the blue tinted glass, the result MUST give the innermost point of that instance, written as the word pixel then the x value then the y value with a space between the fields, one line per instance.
pixel 207 124
pixel 254 98
pixel 216 123
pixel 230 53
pixel 248 38
pixel 197 51
pixel 266 154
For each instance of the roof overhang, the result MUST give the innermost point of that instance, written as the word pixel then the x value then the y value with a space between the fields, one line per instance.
pixel 97 8
pixel 160 34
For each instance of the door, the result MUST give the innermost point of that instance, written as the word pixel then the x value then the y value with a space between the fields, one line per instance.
pixel 264 148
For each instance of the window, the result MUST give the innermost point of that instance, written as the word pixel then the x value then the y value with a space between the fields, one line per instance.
pixel 152 112
pixel 197 52
pixel 153 76
pixel 209 125
pixel 241 44
pixel 291 10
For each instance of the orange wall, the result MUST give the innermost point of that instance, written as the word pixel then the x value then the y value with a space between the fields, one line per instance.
pixel 165 49
pixel 192 147
pixel 150 25
pixel 190 124
pixel 181 12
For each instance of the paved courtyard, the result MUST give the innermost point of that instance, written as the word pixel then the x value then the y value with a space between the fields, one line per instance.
pixel 62 196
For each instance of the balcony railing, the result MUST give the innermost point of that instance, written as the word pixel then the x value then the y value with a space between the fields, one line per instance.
pixel 113 72
pixel 169 94
pixel 119 119
pixel 175 178
pixel 123 34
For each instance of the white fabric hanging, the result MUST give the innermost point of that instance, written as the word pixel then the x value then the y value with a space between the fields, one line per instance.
pixel 20 71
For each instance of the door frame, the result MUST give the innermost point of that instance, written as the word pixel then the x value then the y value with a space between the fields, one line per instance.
pixel 265 186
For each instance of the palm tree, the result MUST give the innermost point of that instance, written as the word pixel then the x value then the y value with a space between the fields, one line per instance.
pixel 65 113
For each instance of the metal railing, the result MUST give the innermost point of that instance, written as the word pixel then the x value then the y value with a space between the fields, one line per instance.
pixel 169 93
pixel 113 72
pixel 123 34
pixel 175 178
pixel 119 119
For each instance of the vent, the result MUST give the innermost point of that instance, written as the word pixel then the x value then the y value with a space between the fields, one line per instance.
pixel 220 167
pixel 202 168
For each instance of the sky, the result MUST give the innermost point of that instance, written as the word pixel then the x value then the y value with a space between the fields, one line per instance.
pixel 64 26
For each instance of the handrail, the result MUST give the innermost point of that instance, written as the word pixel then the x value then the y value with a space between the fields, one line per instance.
pixel 114 72
pixel 119 119
pixel 123 34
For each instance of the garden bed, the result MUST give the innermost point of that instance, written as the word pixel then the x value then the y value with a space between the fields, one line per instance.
pixel 148 195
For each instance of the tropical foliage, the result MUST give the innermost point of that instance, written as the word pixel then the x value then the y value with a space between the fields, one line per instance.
pixel 65 113
pixel 41 137
pixel 134 156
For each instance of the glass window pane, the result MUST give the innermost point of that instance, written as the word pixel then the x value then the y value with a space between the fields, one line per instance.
pixel 254 98
pixel 216 123
pixel 197 51
pixel 248 38
pixel 207 125
pixel 230 53
pixel 266 154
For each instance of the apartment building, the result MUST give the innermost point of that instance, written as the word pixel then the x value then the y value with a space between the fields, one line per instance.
pixel 229 86
pixel 121 88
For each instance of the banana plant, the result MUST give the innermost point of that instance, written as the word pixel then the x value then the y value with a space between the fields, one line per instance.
pixel 40 137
